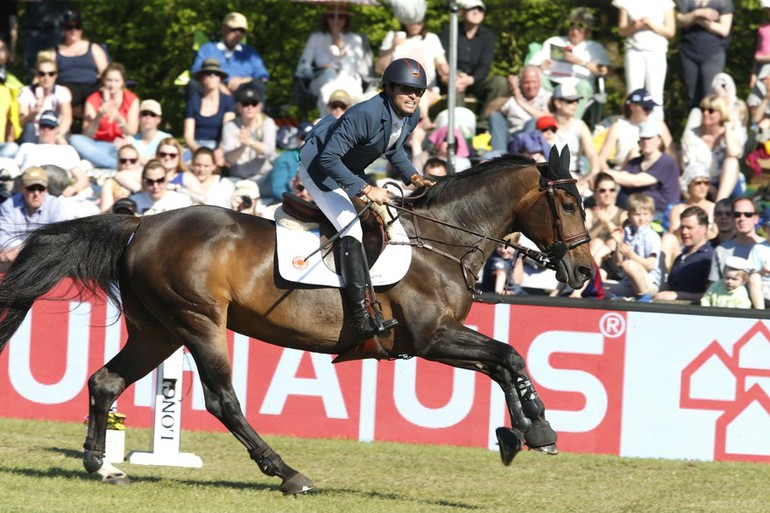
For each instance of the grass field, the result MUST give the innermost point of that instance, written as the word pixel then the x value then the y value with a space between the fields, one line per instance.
pixel 41 471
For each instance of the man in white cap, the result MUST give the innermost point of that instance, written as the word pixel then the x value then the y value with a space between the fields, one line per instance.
pixel 26 210
pixel 240 61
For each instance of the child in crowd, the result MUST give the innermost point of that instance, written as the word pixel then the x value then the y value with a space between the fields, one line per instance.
pixel 497 270
pixel 730 291
pixel 638 252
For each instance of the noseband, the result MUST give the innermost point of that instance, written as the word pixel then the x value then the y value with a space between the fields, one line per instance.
pixel 556 251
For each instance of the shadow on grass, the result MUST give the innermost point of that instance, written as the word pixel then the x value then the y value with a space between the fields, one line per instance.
pixel 226 484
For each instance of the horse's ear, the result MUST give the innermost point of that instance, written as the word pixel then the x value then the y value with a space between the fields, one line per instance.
pixel 553 163
pixel 564 161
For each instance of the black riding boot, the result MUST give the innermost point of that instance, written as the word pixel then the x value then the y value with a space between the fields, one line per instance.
pixel 356 276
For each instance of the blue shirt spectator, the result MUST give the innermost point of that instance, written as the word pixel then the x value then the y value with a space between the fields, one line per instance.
pixel 240 61
pixel 27 210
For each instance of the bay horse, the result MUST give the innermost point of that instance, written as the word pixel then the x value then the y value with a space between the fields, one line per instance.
pixel 185 277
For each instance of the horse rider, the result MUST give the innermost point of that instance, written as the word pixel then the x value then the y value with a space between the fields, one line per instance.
pixel 334 157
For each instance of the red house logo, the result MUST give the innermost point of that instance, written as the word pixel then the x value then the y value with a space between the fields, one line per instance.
pixel 736 383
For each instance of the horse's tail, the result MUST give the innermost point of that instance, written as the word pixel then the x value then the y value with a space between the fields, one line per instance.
pixel 86 250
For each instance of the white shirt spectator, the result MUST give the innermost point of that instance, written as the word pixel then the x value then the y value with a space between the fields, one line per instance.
pixel 171 200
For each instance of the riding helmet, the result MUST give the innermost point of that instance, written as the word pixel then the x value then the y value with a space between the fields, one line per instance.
pixel 407 72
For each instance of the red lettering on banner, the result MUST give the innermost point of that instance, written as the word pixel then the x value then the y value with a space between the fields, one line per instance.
pixel 592 361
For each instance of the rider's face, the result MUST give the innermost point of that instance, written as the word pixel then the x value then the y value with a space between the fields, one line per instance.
pixel 406 98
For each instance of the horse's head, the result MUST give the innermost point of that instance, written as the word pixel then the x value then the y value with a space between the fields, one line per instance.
pixel 554 218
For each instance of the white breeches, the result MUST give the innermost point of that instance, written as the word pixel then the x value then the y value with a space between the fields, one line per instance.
pixel 336 206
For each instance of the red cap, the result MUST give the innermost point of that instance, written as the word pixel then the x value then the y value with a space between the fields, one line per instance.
pixel 545 122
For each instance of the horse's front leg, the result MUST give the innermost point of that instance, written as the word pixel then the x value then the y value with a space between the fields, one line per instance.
pixel 454 344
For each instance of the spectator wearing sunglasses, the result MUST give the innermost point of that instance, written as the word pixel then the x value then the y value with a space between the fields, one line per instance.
pixel 248 141
pixel 206 114
pixel 714 145
pixel 177 177
pixel 240 62
pixel 603 217
pixel 27 210
pixel 723 220
pixel 126 181
pixel 696 182
pixel 44 94
pixel 155 196
pixel 148 138
pixel 574 58
pixel 745 216
pixel 339 102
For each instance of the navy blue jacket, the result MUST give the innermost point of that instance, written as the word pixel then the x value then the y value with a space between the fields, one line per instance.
pixel 337 151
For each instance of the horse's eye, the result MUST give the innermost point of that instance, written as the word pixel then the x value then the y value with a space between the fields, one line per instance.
pixel 570 208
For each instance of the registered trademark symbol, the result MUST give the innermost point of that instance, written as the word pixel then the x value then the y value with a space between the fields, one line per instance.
pixel 612 325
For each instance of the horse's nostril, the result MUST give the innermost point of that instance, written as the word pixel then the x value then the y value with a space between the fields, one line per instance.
pixel 586 271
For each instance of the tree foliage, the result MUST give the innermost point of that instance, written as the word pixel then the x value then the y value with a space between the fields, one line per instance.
pixel 153 39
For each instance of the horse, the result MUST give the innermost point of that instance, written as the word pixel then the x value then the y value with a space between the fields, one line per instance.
pixel 185 277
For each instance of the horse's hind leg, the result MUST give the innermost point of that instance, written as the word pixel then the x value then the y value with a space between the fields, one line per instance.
pixel 144 350
pixel 208 346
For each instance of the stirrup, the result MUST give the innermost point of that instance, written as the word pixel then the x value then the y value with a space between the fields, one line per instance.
pixel 383 327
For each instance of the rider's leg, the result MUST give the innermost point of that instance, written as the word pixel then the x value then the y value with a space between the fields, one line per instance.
pixel 355 276
pixel 339 209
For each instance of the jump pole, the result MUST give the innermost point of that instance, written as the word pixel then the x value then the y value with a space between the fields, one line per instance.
pixel 167 424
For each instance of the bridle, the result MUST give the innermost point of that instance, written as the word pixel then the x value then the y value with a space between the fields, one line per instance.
pixel 549 258
pixel 558 249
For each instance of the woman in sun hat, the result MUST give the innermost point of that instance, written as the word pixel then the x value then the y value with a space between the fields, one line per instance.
pixel 205 115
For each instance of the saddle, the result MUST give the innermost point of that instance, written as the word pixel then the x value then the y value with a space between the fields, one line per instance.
pixel 376 235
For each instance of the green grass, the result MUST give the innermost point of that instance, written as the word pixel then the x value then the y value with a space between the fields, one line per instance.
pixel 41 471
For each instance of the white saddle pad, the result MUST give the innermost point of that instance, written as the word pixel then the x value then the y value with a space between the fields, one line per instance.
pixel 296 240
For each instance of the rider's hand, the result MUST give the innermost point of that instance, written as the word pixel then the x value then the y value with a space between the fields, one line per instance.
pixel 421 181
pixel 376 194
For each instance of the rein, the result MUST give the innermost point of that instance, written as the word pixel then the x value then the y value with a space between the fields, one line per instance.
pixel 549 258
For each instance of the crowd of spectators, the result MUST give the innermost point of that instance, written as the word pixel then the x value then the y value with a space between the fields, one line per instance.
pixel 665 215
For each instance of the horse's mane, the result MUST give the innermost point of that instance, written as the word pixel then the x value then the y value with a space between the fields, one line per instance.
pixel 426 196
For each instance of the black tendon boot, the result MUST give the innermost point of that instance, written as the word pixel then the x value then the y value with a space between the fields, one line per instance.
pixel 356 276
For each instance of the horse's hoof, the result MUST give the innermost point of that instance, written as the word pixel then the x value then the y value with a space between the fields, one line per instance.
pixel 509 444
pixel 550 450
pixel 298 483
pixel 116 479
